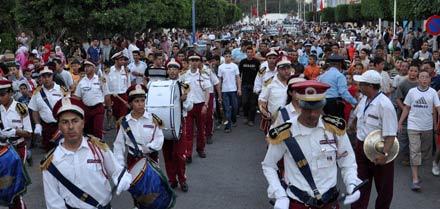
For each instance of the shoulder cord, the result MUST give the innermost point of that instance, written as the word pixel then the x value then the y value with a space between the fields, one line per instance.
pixel 97 155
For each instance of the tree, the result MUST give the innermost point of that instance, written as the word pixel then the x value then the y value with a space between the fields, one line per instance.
pixel 215 13
pixel 328 14
pixel 309 16
pixel 354 12
pixel 341 12
pixel 375 9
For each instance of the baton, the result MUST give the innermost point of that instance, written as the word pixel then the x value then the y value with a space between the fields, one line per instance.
pixel 356 188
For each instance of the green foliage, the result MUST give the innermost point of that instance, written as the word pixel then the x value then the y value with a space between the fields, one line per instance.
pixel 341 13
pixel 354 13
pixel 328 14
pixel 7 42
pixel 309 16
pixel 216 13
pixel 375 9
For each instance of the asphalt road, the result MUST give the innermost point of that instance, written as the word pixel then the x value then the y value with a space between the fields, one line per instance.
pixel 231 177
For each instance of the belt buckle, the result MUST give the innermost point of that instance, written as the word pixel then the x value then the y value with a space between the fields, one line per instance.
pixel 84 196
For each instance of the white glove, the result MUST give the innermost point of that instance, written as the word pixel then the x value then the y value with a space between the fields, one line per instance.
pixel 353 197
pixel 38 129
pixel 146 149
pixel 124 183
pixel 282 203
pixel 8 132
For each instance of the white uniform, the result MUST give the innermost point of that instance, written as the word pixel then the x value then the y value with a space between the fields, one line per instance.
pixel 91 91
pixel 199 83
pixel 117 80
pixel 149 137
pixel 139 68
pixel 275 94
pixel 372 116
pixel 320 154
pixel 212 77
pixel 291 111
pixel 87 170
pixel 261 78
pixel 37 103
pixel 11 118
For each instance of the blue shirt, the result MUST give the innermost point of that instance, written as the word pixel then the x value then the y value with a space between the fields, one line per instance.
pixel 238 55
pixel 338 85
pixel 94 53
pixel 304 59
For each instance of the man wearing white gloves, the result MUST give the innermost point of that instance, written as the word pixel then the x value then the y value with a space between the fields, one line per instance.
pixel 313 146
pixel 77 173
pixel 42 103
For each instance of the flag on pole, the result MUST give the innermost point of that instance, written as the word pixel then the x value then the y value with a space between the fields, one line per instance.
pixel 321 5
pixel 254 11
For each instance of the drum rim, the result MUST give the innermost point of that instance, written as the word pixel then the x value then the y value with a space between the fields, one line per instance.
pixel 141 173
pixel 3 149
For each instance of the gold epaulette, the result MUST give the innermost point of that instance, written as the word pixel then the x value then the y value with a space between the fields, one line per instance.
pixel 45 162
pixel 102 79
pixel 157 120
pixel 185 88
pixel 22 109
pixel 280 133
pixel 334 124
pixel 98 142
pixel 118 122
pixel 64 90
pixel 262 71
pixel 268 81
pixel 38 89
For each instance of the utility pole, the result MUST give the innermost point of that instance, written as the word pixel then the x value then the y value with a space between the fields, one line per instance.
pixel 193 21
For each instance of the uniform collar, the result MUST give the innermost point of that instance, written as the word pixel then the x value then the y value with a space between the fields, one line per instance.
pixel 145 115
pixel 93 78
pixel 299 129
pixel 55 87
pixel 60 151
pixel 11 107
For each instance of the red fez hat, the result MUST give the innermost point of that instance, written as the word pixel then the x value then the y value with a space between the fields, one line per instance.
pixel 5 84
pixel 68 104
pixel 310 91
pixel 136 90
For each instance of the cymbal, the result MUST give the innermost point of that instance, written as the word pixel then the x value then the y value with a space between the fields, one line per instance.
pixel 374 143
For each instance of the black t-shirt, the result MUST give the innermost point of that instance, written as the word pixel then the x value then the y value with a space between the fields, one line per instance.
pixel 299 68
pixel 153 71
pixel 248 70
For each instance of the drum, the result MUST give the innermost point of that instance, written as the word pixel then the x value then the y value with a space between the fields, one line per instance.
pixel 150 188
pixel 13 176
pixel 163 99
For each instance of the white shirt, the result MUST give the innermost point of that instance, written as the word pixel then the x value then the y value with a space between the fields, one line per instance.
pixel 261 78
pixel 139 68
pixel 117 80
pixel 37 103
pixel 212 77
pixel 275 94
pixel 91 91
pixel 198 85
pixel 228 73
pixel 83 169
pixel 291 111
pixel 379 114
pixel 421 104
pixel 320 155
pixel 67 78
pixel 385 83
pixel 149 137
pixel 11 118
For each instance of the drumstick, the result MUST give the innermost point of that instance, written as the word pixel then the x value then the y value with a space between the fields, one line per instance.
pixel 119 179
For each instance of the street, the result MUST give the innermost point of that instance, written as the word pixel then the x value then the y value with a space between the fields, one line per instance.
pixel 231 177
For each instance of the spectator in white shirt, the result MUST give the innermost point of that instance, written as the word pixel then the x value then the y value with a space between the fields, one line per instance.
pixel 137 68
pixel 230 83
pixel 419 104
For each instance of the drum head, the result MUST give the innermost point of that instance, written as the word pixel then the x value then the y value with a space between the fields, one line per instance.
pixel 163 99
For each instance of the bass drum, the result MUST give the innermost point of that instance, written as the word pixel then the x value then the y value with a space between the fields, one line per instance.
pixel 163 99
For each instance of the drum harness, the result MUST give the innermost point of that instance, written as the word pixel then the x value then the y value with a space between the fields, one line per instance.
pixel 137 153
pixel 319 200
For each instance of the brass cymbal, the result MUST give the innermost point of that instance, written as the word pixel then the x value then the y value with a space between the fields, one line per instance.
pixel 374 143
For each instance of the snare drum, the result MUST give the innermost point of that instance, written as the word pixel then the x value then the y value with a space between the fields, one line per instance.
pixel 13 176
pixel 150 188
pixel 163 99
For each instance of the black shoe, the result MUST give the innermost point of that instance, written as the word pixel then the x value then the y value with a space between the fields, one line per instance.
pixel 189 160
pixel 202 154
pixel 184 187
pixel 29 161
pixel 173 185
pixel 209 140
